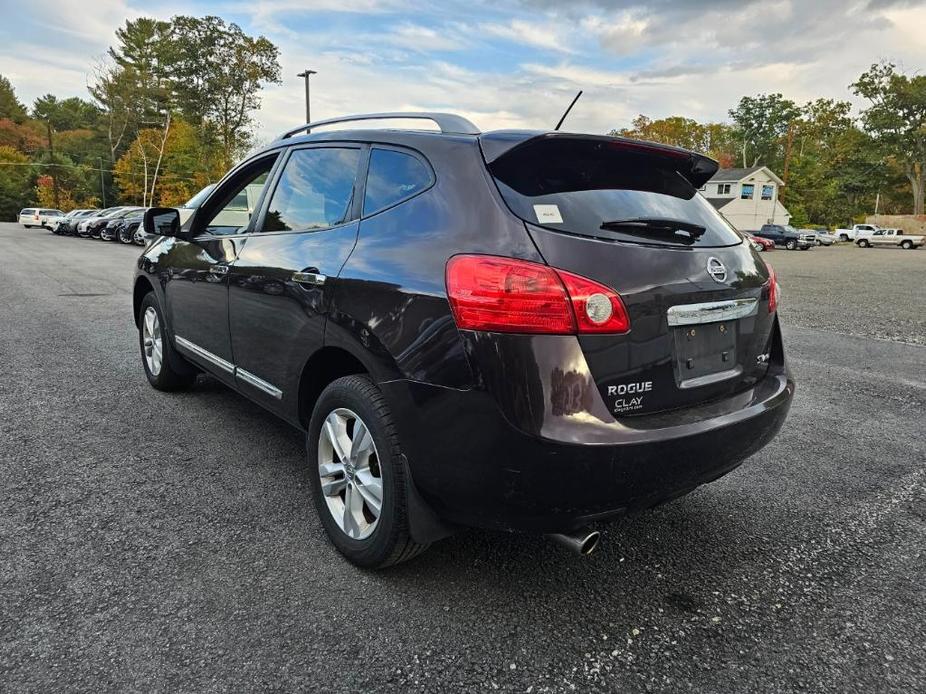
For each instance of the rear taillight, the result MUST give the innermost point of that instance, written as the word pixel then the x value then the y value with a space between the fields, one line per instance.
pixel 772 289
pixel 517 296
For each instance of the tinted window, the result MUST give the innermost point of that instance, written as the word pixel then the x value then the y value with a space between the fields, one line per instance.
pixel 315 190
pixel 393 177
pixel 223 213
pixel 28 210
pixel 577 187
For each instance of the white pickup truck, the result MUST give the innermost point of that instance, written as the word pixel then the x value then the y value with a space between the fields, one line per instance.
pixel 855 232
pixel 888 237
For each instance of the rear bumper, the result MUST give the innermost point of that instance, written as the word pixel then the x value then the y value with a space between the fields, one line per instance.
pixel 475 468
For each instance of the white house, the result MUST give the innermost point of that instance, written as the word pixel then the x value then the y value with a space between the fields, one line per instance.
pixel 748 198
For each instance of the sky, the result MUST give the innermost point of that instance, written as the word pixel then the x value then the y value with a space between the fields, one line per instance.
pixel 503 64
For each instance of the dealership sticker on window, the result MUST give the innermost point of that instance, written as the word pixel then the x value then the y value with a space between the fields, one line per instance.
pixel 548 214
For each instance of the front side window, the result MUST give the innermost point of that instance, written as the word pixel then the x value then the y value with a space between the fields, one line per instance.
pixel 393 177
pixel 230 209
pixel 767 192
pixel 315 190
pixel 747 191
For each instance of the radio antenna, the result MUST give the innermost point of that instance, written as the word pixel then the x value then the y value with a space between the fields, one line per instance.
pixel 568 110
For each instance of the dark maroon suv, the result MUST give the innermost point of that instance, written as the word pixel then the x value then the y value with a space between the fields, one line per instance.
pixel 515 330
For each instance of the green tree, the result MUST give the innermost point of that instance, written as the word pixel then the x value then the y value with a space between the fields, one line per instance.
pixel 16 178
pixel 218 72
pixel 10 106
pixel 762 125
pixel 897 120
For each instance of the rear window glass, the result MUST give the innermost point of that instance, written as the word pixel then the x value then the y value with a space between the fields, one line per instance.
pixel 393 177
pixel 577 187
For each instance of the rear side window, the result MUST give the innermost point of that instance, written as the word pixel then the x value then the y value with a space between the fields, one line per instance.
pixel 315 190
pixel 608 191
pixel 28 210
pixel 393 177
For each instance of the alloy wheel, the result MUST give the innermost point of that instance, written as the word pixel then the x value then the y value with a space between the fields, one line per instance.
pixel 153 341
pixel 351 479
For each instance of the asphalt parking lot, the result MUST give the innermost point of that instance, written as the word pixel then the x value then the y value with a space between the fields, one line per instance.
pixel 167 542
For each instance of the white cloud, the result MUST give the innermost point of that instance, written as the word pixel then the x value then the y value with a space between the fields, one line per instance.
pixel 552 36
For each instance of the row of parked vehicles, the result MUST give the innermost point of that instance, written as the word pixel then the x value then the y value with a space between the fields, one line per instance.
pixel 864 236
pixel 121 223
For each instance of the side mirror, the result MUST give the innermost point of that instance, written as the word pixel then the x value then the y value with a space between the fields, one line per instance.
pixel 162 221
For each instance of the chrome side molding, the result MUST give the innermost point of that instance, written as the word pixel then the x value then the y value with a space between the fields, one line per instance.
pixel 711 312
pixel 228 367
pixel 258 383
pixel 205 354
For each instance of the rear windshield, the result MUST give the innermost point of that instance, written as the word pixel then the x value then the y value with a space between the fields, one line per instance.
pixel 577 187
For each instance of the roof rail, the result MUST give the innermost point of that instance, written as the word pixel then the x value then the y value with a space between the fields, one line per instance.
pixel 447 122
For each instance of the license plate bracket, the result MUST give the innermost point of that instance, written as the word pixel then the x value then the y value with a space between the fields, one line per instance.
pixel 705 353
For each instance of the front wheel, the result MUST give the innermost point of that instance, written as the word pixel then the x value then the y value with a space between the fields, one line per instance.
pixel 358 474
pixel 157 354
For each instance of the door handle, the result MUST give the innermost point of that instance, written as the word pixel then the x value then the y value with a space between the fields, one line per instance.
pixel 219 269
pixel 313 278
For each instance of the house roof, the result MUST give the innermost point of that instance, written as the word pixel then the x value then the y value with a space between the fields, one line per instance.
pixel 735 175
pixel 719 202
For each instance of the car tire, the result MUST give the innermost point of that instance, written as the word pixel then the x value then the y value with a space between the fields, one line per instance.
pixel 863 244
pixel 346 500
pixel 124 238
pixel 906 245
pixel 791 245
pixel 170 371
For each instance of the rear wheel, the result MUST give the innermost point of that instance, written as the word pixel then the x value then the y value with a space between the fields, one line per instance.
pixel 863 243
pixel 157 355
pixel 791 245
pixel 358 474
pixel 906 245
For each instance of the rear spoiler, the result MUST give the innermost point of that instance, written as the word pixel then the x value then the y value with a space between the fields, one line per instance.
pixel 696 168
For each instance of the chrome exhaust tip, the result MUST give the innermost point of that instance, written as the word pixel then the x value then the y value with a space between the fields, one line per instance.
pixel 582 541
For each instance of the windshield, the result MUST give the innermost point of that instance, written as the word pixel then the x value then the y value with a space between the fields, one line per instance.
pixel 197 199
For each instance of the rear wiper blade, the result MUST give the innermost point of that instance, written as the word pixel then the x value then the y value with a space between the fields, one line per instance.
pixel 650 224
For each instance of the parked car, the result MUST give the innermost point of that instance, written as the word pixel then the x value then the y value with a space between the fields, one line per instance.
pixel 38 216
pixel 48 218
pixel 132 231
pixel 84 224
pixel 889 237
pixel 821 237
pixel 853 233
pixel 29 217
pixel 66 224
pixel 490 329
pixel 761 244
pixel 787 236
pixel 123 229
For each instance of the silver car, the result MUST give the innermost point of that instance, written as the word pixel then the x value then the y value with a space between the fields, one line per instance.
pixel 821 237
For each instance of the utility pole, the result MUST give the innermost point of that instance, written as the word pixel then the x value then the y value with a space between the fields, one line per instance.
pixel 54 175
pixel 102 187
pixel 308 111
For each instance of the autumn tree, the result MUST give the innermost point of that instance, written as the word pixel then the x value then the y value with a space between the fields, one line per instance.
pixel 896 118
pixel 714 139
